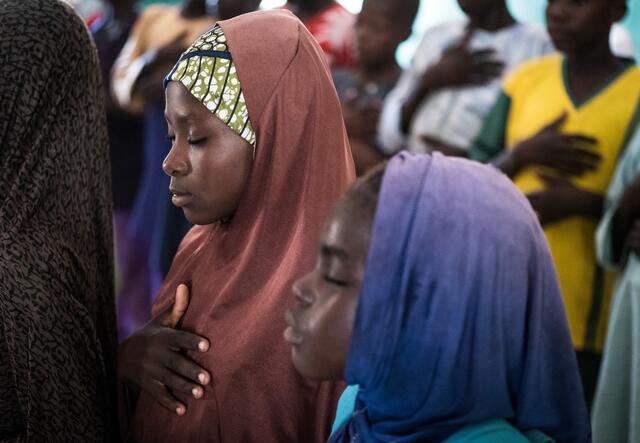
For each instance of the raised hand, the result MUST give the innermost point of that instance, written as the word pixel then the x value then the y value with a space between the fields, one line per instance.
pixel 568 154
pixel 152 359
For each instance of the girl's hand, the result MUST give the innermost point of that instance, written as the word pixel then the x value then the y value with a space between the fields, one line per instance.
pixel 153 360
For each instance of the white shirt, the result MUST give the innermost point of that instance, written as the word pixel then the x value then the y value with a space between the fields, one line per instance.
pixel 454 115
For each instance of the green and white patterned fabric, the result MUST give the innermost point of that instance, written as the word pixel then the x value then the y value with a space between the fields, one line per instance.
pixel 207 70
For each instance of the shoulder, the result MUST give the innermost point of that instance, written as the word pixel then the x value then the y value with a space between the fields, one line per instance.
pixel 532 71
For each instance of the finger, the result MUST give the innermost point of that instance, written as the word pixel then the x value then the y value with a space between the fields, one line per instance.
pixel 186 340
pixel 180 304
pixel 466 38
pixel 160 393
pixel 580 139
pixel 483 54
pixel 558 122
pixel 177 383
pixel 187 368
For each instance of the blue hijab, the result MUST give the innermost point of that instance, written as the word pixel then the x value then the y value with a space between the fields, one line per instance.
pixel 460 318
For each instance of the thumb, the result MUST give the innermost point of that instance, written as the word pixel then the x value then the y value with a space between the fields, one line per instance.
pixel 173 314
pixel 466 38
pixel 558 122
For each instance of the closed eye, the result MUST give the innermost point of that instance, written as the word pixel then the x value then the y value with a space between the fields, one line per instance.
pixel 335 282
pixel 195 142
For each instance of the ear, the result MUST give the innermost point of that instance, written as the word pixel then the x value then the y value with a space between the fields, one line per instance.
pixel 617 10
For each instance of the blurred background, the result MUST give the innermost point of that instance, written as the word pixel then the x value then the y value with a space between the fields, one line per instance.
pixel 431 12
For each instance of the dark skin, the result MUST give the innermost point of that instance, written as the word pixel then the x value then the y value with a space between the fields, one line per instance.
pixel 320 323
pixel 209 166
pixel 376 64
pixel 626 222
pixel 580 29
pixel 306 9
pixel 460 66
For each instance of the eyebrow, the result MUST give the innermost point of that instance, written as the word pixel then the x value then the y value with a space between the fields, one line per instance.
pixel 180 118
pixel 332 251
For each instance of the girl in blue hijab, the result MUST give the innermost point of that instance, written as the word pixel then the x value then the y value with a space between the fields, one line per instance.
pixel 434 291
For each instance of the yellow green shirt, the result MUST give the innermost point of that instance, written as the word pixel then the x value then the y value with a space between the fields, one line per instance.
pixel 533 96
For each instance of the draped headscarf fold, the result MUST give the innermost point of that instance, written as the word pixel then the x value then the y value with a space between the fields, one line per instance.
pixel 460 318
pixel 57 321
pixel 240 274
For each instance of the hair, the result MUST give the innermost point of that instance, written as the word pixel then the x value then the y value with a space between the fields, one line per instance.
pixel 402 13
pixel 362 197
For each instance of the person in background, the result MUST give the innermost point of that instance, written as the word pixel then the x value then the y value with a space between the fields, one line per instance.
pixel 557 130
pixel 259 153
pixel 441 100
pixel 110 32
pixel 616 409
pixel 57 311
pixel 454 330
pixel 380 27
pixel 158 37
pixel 331 25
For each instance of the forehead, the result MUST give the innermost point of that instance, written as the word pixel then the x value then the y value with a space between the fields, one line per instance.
pixel 349 230
pixel 182 107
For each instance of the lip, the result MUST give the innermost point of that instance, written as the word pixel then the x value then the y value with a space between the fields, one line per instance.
pixel 291 334
pixel 179 197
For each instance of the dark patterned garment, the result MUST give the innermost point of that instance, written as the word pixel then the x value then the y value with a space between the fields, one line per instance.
pixel 57 323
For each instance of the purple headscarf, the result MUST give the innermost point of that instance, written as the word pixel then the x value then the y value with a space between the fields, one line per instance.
pixel 460 318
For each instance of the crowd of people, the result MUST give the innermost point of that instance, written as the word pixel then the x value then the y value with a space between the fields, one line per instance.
pixel 227 224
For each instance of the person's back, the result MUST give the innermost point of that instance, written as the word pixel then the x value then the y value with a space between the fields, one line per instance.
pixel 57 346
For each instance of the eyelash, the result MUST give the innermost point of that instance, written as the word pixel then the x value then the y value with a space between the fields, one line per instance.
pixel 335 282
pixel 191 142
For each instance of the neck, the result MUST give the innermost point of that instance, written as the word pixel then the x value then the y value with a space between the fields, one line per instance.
pixel 493 19
pixel 307 9
pixel 194 9
pixel 593 57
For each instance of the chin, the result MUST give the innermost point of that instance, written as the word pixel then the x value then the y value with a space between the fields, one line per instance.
pixel 314 370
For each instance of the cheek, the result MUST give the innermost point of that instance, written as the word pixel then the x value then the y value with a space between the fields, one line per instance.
pixel 220 178
pixel 327 331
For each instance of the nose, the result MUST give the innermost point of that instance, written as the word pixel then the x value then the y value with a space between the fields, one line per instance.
pixel 302 292
pixel 176 163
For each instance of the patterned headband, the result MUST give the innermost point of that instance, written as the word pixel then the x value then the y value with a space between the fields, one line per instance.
pixel 207 70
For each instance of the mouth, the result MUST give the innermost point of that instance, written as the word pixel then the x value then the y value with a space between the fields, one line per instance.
pixel 178 197
pixel 291 334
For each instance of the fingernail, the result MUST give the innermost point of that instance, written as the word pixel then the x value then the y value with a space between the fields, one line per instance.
pixel 202 377
pixel 197 393
pixel 202 346
pixel 180 410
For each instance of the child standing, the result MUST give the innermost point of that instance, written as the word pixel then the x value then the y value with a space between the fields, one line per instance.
pixel 381 26
pixel 440 102
pixel 558 129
